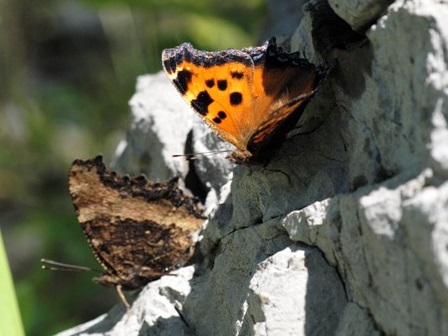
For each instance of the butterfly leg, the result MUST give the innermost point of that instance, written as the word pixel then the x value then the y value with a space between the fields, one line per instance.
pixel 122 297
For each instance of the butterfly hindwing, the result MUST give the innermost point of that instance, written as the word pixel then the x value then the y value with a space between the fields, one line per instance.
pixel 138 230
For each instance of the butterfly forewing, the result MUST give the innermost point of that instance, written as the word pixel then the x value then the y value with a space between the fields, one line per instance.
pixel 218 85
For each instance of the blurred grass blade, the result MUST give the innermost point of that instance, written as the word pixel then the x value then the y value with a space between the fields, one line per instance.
pixel 10 321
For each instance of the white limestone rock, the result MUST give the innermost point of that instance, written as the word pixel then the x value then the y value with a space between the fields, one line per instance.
pixel 367 188
pixel 161 125
pixel 160 122
pixel 291 288
pixel 154 312
pixel 360 14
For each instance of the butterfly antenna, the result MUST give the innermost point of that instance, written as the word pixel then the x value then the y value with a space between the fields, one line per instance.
pixel 52 265
pixel 194 156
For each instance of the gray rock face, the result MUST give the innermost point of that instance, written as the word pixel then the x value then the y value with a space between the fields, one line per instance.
pixel 345 232
pixel 360 14
pixel 158 130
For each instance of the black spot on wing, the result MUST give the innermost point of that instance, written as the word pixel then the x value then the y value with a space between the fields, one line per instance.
pixel 222 84
pixel 236 98
pixel 182 80
pixel 169 65
pixel 201 103
pixel 210 83
pixel 220 117
pixel 236 74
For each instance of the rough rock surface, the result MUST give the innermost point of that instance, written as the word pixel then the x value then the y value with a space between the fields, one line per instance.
pixel 345 232
pixel 161 127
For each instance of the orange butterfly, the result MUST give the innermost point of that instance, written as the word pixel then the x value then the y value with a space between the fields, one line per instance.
pixel 250 97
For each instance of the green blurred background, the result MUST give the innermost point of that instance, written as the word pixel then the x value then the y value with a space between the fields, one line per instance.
pixel 67 71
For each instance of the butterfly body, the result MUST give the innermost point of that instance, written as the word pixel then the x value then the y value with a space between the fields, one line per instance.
pixel 249 97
